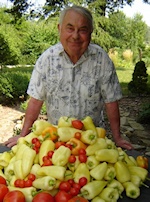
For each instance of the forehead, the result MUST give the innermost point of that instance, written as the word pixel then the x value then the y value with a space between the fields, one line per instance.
pixel 74 18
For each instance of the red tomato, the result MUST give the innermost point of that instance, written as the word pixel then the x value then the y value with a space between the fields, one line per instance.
pixel 3 191
pixel 65 186
pixel 45 158
pixel 77 186
pixel 50 154
pixel 69 146
pixel 58 144
pixel 78 199
pixel 38 144
pixel 34 140
pixel 82 158
pixel 15 196
pixel 77 135
pixel 82 181
pixel 31 177
pixel 71 181
pixel 74 191
pixel 72 159
pixel 82 151
pixel 28 183
pixel 77 124
pixel 19 183
pixel 3 180
pixel 47 162
pixel 43 197
pixel 62 196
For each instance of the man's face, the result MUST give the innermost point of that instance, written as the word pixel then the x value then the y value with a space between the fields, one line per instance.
pixel 75 34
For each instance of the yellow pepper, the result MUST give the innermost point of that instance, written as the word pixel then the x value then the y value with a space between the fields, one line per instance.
pixel 99 171
pixel 135 179
pixel 76 145
pixel 101 132
pixel 97 199
pixel 28 138
pixel 18 169
pixel 20 151
pixel 45 183
pixel 98 145
pixel 142 161
pixel 46 146
pixel 35 169
pixel 9 170
pixel 66 133
pixel 57 172
pixel 73 166
pixel 61 156
pixel 81 171
pixel 110 144
pixel 50 133
pixel 122 172
pixel 89 136
pixel 108 155
pixel 68 175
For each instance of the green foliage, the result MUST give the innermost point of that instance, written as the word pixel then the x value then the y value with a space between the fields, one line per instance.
pixel 144 115
pixel 138 85
pixel 13 85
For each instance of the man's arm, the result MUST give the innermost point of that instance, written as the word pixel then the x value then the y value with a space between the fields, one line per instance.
pixel 112 110
pixel 32 113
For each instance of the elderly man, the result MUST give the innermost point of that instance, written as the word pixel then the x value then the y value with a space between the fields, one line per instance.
pixel 74 78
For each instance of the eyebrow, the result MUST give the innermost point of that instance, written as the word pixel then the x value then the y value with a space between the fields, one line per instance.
pixel 80 27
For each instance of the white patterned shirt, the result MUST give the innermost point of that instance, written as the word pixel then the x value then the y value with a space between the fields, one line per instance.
pixel 75 90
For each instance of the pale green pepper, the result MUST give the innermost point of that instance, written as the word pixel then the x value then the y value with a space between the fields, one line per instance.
pixel 20 151
pixel 132 191
pixel 18 169
pixel 99 144
pixel 122 172
pixel 28 192
pixel 57 172
pixel 73 166
pixel 110 144
pixel 66 133
pixel 46 146
pixel 89 137
pixel 97 199
pixel 91 162
pixel 27 160
pixel 108 155
pixel 92 189
pixel 68 175
pixel 99 171
pixel 35 169
pixel 65 121
pixel 5 158
pixel 88 124
pixel 61 156
pixel 135 179
pixel 139 171
pixel 116 185
pixel 39 125
pixel 81 171
pixel 109 194
pixel 45 183
pixel 9 170
pixel 110 173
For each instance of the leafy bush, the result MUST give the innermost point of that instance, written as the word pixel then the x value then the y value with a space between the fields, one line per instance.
pixel 144 115
pixel 13 86
pixel 138 85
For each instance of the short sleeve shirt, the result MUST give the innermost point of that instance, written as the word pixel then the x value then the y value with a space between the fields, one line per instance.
pixel 75 90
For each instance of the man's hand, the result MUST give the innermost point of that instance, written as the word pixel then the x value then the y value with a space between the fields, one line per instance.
pixel 12 141
pixel 120 142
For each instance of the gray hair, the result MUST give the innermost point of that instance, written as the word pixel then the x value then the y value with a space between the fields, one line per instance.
pixel 79 9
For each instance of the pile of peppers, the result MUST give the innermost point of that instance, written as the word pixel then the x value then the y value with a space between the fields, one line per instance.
pixel 53 155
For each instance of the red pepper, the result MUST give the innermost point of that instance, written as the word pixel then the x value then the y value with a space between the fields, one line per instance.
pixel 142 161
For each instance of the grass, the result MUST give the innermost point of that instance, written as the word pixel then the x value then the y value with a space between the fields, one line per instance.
pixel 125 76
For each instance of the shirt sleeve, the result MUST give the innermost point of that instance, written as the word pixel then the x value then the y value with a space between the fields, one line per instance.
pixel 110 86
pixel 37 82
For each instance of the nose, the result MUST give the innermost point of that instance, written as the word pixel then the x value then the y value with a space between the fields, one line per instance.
pixel 75 34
